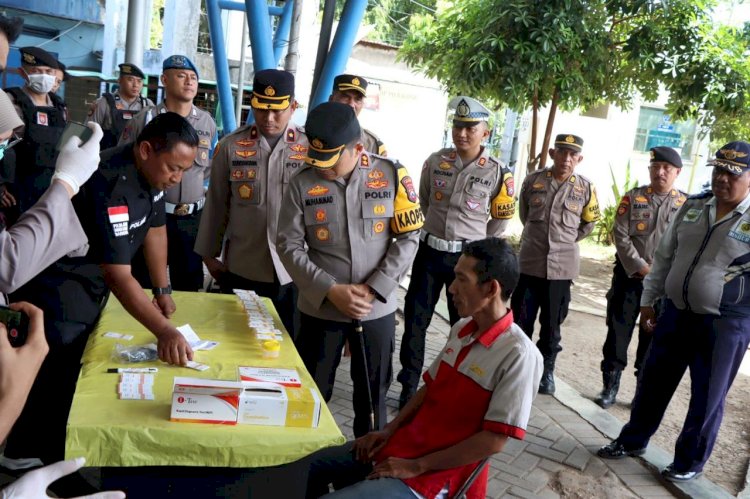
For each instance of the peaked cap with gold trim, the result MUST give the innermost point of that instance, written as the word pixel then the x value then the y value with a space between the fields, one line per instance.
pixel 346 82
pixel 272 89
pixel 733 157
pixel 468 111
pixel 569 141
pixel 329 128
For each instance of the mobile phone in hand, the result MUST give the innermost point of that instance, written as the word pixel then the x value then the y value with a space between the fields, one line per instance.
pixel 74 128
pixel 17 324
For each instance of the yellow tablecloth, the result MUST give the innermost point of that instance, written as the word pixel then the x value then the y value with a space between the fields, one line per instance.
pixel 113 432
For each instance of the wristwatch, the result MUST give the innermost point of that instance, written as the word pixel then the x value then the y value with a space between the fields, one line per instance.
pixel 162 291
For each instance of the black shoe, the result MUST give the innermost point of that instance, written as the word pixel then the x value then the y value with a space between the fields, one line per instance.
pixel 679 476
pixel 615 450
pixel 608 396
pixel 547 385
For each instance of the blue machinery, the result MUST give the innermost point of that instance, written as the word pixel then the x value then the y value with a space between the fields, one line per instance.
pixel 267 49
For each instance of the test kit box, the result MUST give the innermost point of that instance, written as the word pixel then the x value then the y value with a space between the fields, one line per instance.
pixel 271 404
pixel 196 400
pixel 285 377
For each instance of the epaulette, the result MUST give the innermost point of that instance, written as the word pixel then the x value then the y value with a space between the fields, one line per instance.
pixel 236 131
pixel 701 195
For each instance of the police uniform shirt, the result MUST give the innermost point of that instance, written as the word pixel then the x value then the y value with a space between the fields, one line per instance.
pixel 360 230
pixel 100 111
pixel 190 189
pixel 642 217
pixel 465 202
pixel 484 382
pixel 248 182
pixel 117 207
pixel 555 218
pixel 372 143
pixel 701 263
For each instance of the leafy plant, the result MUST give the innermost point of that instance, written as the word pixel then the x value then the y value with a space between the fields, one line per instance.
pixel 606 226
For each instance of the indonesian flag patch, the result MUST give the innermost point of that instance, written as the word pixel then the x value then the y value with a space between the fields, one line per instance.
pixel 118 217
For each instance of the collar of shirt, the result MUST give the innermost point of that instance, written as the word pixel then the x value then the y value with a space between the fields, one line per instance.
pixel 488 337
pixel 162 108
pixel 740 208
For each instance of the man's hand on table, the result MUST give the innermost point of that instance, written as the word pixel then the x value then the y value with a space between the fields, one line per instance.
pixel 173 348
pixel 165 305
pixel 35 483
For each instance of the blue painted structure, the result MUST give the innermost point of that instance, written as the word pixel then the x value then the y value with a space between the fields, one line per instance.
pixel 80 10
pixel 259 25
pixel 341 49
pixel 267 50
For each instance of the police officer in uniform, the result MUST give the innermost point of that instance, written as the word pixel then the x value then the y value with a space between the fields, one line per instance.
pixel 120 208
pixel 352 90
pixel 348 230
pixel 642 217
pixel 558 208
pixel 29 171
pixel 466 195
pixel 250 173
pixel 702 267
pixel 184 201
pixel 114 110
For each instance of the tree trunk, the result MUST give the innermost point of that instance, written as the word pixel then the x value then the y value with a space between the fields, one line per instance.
pixel 548 130
pixel 531 162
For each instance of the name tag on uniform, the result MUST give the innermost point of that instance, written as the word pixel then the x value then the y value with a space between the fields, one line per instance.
pixel 692 215
pixel 42 119
pixel 127 116
pixel 741 231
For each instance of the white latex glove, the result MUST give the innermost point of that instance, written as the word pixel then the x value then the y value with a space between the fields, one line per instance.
pixel 34 484
pixel 76 164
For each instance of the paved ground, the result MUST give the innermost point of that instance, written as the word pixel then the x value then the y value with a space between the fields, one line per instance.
pixel 557 458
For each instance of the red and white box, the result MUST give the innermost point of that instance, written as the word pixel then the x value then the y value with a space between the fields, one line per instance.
pixel 196 400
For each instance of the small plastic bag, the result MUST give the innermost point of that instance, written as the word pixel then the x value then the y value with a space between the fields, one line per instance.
pixel 135 353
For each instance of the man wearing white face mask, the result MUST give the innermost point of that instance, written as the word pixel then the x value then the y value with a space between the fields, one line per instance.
pixel 44 115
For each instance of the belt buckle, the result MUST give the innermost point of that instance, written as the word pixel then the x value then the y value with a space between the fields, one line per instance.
pixel 182 209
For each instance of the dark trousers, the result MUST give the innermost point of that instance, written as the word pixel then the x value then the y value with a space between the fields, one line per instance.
pixel 284 297
pixel 623 307
pixel 431 270
pixel 552 297
pixel 185 265
pixel 40 429
pixel 712 347
pixel 320 343
pixel 334 465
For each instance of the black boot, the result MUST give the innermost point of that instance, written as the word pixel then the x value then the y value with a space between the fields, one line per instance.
pixel 547 384
pixel 607 397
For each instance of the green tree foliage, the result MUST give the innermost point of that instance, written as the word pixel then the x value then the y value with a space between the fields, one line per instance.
pixel 582 53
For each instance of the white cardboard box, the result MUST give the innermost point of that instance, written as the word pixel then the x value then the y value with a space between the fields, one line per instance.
pixel 271 404
pixel 287 377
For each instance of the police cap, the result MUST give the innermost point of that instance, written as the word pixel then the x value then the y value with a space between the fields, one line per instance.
pixel 666 154
pixel 345 82
pixel 272 89
pixel 35 56
pixel 129 69
pixel 733 157
pixel 569 141
pixel 468 111
pixel 329 128
pixel 179 62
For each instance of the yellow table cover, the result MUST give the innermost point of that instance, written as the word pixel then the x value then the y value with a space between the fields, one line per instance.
pixel 112 432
